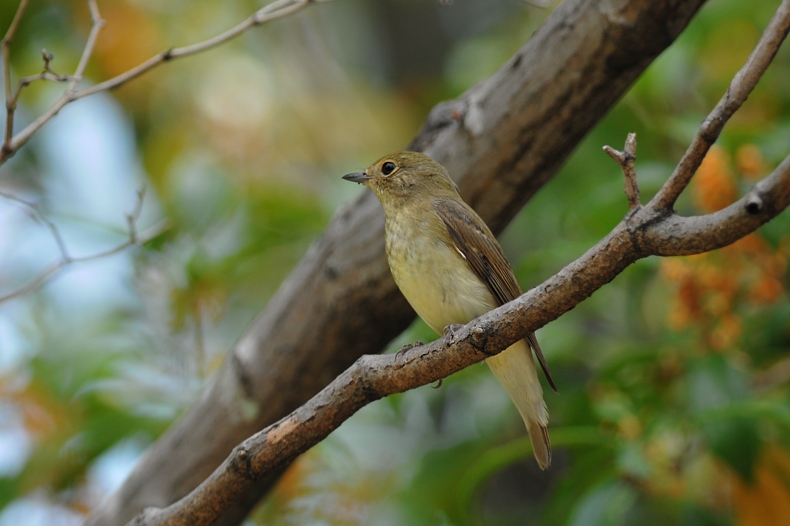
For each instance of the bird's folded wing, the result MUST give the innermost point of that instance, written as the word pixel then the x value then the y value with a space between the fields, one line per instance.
pixel 478 246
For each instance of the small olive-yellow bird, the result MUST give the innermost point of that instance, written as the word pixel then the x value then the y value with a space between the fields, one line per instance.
pixel 451 269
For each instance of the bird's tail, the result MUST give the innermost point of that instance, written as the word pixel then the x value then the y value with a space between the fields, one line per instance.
pixel 515 370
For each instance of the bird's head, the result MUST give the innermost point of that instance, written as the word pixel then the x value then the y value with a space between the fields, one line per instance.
pixel 405 175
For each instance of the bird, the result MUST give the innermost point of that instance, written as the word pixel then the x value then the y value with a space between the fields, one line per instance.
pixel 451 269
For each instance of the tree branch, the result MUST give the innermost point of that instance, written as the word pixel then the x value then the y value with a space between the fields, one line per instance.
pixel 653 229
pixel 273 11
pixel 96 24
pixel 65 260
pixel 502 140
pixel 10 107
pixel 373 377
pixel 626 160
pixel 742 84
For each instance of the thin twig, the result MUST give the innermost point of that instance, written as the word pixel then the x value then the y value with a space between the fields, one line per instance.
pixel 142 238
pixel 47 74
pixel 12 144
pixel 742 84
pixel 273 11
pixel 96 24
pixel 134 238
pixel 7 39
pixel 131 219
pixel 36 213
pixel 626 160
pixel 44 75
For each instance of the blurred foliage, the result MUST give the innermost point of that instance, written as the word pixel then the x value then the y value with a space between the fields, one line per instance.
pixel 674 379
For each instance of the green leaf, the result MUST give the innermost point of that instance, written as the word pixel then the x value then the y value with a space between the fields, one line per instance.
pixel 737 443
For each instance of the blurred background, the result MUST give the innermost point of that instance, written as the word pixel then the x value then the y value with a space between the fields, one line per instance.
pixel 674 379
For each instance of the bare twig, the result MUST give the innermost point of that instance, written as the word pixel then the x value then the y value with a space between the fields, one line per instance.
pixel 96 24
pixel 7 39
pixel 65 259
pixel 47 74
pixel 273 11
pixel 11 144
pixel 131 219
pixel 38 215
pixel 742 84
pixel 626 160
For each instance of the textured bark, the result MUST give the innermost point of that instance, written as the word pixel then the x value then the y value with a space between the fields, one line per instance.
pixel 502 140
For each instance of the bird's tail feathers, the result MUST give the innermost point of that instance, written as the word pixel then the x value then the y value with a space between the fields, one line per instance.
pixel 515 370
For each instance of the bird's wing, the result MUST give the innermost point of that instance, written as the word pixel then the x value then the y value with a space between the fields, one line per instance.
pixel 478 246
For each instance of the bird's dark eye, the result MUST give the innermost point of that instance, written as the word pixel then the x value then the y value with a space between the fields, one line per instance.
pixel 388 167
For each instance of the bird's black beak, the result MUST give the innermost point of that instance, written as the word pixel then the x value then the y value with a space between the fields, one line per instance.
pixel 357 177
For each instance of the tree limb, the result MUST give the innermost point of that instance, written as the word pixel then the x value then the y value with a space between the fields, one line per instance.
pixel 502 140
pixel 742 84
pixel 653 231
pixel 626 160
pixel 272 11
pixel 66 259
pixel 650 230
pixel 6 45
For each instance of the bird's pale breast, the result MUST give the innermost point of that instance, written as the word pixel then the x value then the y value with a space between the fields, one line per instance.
pixel 432 274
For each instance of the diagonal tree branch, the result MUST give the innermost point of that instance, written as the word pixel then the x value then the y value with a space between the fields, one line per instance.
pixel 741 86
pixel 272 11
pixel 502 140
pixel 96 24
pixel 653 229
pixel 653 232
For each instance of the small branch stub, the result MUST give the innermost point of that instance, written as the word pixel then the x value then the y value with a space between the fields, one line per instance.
pixel 754 204
pixel 626 160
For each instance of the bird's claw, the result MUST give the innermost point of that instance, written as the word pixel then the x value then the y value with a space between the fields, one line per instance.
pixel 450 329
pixel 406 348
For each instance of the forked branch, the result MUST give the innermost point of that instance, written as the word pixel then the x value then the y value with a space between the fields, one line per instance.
pixel 133 237
pixel 12 143
pixel 10 101
pixel 741 86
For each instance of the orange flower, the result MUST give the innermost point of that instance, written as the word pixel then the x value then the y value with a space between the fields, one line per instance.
pixel 711 286
pixel 713 185
pixel 726 332
pixel 767 290
pixel 750 162
pixel 767 499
